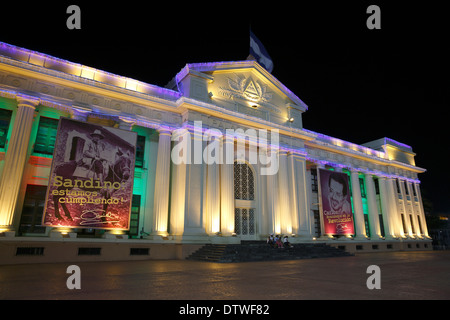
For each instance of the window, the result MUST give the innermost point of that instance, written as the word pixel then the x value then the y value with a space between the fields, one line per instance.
pixel 30 251
pixel 420 224
pixel 397 183
pixel 33 208
pixel 377 186
pixel 399 191
pixel 46 136
pixel 380 219
pixel 134 219
pixel 413 187
pixel 140 150
pixel 362 187
pixel 366 224
pixel 314 183
pixel 412 224
pixel 404 223
pixel 244 182
pixel 5 119
pixel 317 231
pixel 89 251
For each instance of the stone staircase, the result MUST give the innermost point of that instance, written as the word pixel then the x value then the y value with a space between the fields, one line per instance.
pixel 260 251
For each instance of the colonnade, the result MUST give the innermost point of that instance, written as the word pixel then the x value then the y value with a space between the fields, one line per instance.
pixel 193 199
pixel 202 201
pixel 401 208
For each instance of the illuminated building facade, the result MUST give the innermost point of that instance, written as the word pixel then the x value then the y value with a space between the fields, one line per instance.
pixel 195 201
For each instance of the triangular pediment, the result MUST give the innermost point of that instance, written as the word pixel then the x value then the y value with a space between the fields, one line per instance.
pixel 244 87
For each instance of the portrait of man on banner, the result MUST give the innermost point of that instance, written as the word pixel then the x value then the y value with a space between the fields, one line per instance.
pixel 336 203
pixel 91 180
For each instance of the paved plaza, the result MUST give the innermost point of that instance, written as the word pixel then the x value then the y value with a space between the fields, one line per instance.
pixel 404 275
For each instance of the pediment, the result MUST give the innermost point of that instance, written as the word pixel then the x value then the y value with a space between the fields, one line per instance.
pixel 244 87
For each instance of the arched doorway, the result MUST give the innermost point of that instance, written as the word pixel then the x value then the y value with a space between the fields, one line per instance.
pixel 245 204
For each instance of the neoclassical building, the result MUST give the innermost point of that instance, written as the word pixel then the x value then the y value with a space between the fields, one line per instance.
pixel 221 156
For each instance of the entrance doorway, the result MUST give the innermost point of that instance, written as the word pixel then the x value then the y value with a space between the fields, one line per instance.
pixel 245 204
pixel 244 223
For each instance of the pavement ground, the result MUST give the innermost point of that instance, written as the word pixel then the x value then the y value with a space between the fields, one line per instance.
pixel 403 276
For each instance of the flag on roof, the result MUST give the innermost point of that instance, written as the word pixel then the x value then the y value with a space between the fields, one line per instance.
pixel 260 54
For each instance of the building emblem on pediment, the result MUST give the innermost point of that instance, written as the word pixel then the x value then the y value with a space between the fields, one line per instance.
pixel 247 88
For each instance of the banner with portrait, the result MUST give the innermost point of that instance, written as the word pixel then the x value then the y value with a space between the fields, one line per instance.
pixel 91 179
pixel 336 205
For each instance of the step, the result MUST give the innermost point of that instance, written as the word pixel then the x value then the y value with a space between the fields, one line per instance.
pixel 260 251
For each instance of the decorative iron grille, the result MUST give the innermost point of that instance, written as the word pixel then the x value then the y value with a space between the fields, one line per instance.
pixel 244 182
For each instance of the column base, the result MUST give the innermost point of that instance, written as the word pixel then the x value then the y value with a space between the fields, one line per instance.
pixel 8 233
pixel 158 235
pixel 115 235
pixel 389 238
pixel 360 238
pixel 62 233
pixel 325 238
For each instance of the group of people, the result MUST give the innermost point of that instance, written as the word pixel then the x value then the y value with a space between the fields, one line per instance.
pixel 278 241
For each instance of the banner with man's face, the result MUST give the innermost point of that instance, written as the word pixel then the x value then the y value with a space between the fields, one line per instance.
pixel 336 203
pixel 91 180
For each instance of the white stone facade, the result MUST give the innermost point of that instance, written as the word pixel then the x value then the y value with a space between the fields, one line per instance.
pixel 196 201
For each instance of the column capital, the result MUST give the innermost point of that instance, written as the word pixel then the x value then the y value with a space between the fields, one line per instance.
pixel 27 101
pixel 164 131
pixel 298 155
pixel 80 113
pixel 353 170
pixel 179 132
pixel 126 123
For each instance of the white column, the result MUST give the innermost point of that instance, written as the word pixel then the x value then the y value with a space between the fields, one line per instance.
pixel 283 193
pixel 178 191
pixel 292 186
pixel 322 234
pixel 388 221
pixel 393 211
pixel 303 209
pixel 227 186
pixel 405 211
pixel 273 201
pixel 422 212
pixel 357 205
pixel 265 225
pixel 374 219
pixel 410 209
pixel 310 214
pixel 162 180
pixel 213 185
pixel 194 226
pixel 15 159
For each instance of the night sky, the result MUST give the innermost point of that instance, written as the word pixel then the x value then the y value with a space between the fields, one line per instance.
pixel 359 84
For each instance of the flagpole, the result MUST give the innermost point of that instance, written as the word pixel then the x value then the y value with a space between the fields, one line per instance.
pixel 250 56
pixel 259 53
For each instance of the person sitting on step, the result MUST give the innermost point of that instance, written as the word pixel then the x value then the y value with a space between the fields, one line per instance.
pixel 286 242
pixel 271 240
pixel 278 242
